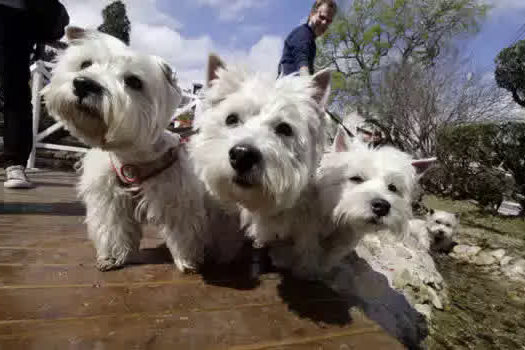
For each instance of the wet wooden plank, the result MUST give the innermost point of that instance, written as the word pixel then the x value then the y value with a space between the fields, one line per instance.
pixel 28 275
pixel 45 224
pixel 52 297
pixel 83 300
pixel 52 188
pixel 368 339
pixel 57 242
pixel 360 339
pixel 42 241
pixel 243 326
pixel 80 255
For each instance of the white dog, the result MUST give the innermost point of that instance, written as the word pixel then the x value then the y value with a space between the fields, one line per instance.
pixel 120 102
pixel 358 190
pixel 437 232
pixel 260 141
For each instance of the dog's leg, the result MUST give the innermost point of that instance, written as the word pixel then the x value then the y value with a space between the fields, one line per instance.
pixel 110 212
pixel 308 253
pixel 186 248
pixel 112 228
pixel 337 247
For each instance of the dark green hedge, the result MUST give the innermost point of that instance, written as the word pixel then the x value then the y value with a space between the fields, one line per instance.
pixel 469 156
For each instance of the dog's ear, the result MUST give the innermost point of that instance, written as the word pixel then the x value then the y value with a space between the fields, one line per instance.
pixel 214 64
pixel 75 33
pixel 422 165
pixel 458 216
pixel 342 141
pixel 322 83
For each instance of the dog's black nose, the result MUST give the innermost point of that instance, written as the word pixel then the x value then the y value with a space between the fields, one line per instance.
pixel 243 157
pixel 83 87
pixel 380 207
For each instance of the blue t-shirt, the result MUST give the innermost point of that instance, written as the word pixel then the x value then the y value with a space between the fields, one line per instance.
pixel 299 50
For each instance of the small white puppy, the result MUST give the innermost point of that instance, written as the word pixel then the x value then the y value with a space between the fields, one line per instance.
pixel 437 232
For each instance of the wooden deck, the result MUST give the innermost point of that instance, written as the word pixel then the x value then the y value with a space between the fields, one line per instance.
pixel 52 297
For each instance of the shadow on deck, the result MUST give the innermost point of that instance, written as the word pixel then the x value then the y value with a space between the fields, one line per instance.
pixel 51 295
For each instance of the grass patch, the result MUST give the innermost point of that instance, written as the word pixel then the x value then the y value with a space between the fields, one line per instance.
pixel 473 217
pixel 486 311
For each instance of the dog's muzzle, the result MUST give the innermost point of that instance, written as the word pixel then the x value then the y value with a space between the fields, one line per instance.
pixel 440 235
pixel 380 207
pixel 244 157
pixel 84 87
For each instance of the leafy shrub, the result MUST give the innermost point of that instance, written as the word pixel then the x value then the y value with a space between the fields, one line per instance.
pixel 473 161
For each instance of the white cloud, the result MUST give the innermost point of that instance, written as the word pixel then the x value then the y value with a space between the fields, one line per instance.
pixel 169 44
pixel 157 33
pixel 88 12
pixel 507 4
pixel 231 10
pixel 265 55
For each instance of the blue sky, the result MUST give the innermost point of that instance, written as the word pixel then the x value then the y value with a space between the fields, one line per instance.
pixel 252 31
pixel 499 29
pixel 239 29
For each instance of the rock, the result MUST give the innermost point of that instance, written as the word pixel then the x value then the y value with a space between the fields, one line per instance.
pixel 498 254
pixel 396 283
pixel 484 258
pixel 515 269
pixel 424 309
pixel 465 252
pixel 509 208
pixel 402 279
pixel 403 252
pixel 434 298
pixel 505 261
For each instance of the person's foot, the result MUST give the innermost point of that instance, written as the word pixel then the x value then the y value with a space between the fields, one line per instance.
pixel 17 178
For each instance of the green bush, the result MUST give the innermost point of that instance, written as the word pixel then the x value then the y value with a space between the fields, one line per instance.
pixel 469 157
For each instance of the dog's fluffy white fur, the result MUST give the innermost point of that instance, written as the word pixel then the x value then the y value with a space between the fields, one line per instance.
pixel 259 146
pixel 437 232
pixel 123 113
pixel 260 139
pixel 358 190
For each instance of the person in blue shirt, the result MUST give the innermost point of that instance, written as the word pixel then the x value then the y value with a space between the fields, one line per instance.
pixel 299 47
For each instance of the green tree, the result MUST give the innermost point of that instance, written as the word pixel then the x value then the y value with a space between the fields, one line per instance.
pixel 510 71
pixel 368 34
pixel 116 21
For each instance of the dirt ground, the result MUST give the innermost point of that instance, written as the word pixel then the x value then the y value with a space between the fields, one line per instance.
pixel 487 310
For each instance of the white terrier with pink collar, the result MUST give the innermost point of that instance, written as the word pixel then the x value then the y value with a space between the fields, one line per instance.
pixel 120 103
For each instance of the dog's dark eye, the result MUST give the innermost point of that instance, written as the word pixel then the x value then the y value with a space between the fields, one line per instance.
pixel 448 225
pixel 357 179
pixel 232 119
pixel 133 82
pixel 284 129
pixel 392 188
pixel 438 222
pixel 86 64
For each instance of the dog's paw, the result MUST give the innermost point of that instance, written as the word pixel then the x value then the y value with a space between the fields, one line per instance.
pixel 107 264
pixel 186 265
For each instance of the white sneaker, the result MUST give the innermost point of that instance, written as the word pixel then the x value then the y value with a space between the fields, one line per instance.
pixel 16 178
